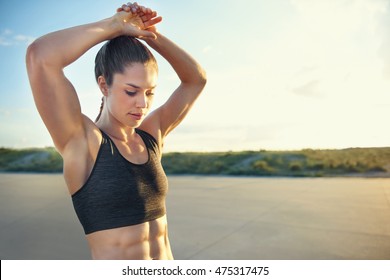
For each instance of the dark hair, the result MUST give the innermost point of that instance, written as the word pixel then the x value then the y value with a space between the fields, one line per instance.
pixel 118 53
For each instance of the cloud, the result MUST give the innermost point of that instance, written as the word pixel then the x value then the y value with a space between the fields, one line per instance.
pixel 385 45
pixel 24 39
pixel 311 88
pixel 4 113
pixel 386 60
pixel 229 137
pixel 4 42
pixel 207 49
pixel 8 38
pixel 333 48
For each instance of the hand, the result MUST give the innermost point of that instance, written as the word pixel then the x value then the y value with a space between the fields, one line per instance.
pixel 138 21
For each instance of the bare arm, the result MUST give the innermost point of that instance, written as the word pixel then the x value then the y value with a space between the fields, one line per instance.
pixel 54 95
pixel 190 73
pixel 192 78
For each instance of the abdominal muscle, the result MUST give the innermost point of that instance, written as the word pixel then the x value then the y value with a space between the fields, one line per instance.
pixel 147 241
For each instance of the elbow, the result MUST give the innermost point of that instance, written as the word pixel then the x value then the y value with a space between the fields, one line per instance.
pixel 202 77
pixel 36 56
pixel 199 81
pixel 33 57
pixel 29 55
pixel 196 78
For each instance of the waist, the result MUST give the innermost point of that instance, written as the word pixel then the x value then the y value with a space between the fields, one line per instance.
pixel 148 240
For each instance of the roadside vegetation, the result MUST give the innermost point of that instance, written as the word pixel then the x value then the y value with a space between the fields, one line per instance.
pixel 303 163
pixel 308 162
pixel 30 160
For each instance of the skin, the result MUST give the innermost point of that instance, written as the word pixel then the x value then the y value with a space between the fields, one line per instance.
pixel 127 102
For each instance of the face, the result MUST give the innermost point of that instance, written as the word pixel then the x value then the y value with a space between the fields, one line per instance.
pixel 130 96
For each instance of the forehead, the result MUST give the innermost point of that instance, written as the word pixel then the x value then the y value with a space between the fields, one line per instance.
pixel 142 75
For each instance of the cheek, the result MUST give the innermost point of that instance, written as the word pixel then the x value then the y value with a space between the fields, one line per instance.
pixel 150 102
pixel 116 102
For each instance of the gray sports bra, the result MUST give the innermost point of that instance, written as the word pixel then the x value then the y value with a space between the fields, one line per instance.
pixel 119 193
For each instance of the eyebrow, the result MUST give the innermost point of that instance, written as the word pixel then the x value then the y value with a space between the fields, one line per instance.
pixel 138 87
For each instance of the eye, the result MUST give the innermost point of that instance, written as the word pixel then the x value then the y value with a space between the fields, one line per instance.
pixel 130 93
pixel 150 93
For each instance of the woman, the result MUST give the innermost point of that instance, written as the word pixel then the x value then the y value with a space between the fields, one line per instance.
pixel 112 167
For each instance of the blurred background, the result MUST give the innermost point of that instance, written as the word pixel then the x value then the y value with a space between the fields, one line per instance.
pixel 282 74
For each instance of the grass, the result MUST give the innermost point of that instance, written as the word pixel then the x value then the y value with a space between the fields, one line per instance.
pixel 307 163
pixel 30 160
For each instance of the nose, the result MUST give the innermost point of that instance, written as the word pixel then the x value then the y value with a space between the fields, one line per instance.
pixel 142 101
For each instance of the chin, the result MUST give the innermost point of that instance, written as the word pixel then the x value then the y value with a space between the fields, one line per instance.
pixel 134 125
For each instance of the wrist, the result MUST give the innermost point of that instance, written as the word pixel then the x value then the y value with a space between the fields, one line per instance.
pixel 154 42
pixel 113 27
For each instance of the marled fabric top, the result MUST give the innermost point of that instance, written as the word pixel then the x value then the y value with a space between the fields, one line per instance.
pixel 119 193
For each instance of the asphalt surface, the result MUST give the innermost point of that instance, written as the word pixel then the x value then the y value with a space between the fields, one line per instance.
pixel 215 218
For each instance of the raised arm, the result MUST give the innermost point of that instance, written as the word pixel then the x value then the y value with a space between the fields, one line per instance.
pixel 190 73
pixel 192 81
pixel 54 95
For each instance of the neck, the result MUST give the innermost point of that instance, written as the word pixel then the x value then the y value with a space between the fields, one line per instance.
pixel 115 129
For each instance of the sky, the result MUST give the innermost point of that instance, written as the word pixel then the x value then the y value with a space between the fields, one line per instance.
pixel 282 74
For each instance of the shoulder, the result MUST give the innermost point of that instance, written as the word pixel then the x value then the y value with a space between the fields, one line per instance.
pixel 151 126
pixel 80 154
pixel 88 137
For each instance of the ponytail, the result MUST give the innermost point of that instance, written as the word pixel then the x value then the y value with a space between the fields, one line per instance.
pixel 100 110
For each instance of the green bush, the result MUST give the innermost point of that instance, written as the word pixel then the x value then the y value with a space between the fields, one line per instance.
pixel 306 162
pixel 261 166
pixel 295 166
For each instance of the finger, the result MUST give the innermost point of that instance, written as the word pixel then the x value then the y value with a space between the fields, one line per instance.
pixel 134 9
pixel 147 16
pixel 125 8
pixel 152 22
pixel 143 9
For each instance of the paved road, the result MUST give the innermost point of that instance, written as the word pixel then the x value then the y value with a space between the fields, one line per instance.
pixel 215 218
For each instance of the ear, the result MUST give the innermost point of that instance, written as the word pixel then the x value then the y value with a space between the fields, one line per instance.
pixel 103 85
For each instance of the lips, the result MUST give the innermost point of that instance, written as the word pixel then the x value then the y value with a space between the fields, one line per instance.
pixel 136 116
